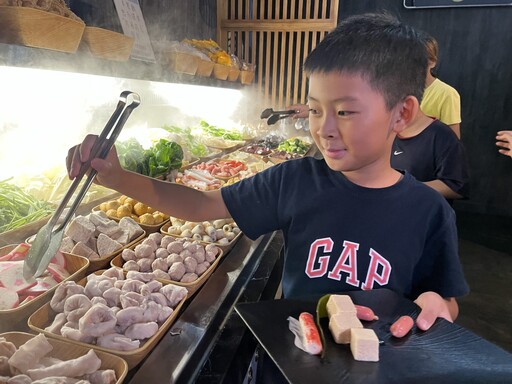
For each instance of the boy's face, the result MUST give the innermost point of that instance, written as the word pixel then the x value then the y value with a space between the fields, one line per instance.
pixel 350 123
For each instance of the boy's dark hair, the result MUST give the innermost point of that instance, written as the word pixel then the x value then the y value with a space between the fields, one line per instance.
pixel 390 55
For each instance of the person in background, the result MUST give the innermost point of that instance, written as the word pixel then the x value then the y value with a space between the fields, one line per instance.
pixel 504 141
pixel 350 221
pixel 302 111
pixel 429 150
pixel 440 100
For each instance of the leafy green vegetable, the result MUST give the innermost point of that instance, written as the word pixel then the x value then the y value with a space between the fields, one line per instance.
pixel 293 146
pixel 219 132
pixel 130 153
pixel 18 208
pixel 197 149
pixel 161 158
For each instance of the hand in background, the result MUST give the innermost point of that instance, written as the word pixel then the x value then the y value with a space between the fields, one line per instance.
pixel 504 141
pixel 302 111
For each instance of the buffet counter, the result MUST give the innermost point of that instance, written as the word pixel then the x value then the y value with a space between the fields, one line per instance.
pixel 208 342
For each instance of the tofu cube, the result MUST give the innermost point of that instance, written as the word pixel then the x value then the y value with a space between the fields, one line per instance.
pixel 364 344
pixel 80 229
pixel 340 325
pixel 340 304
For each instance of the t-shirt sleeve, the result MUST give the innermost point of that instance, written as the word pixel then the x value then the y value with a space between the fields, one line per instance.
pixel 439 269
pixel 450 108
pixel 253 202
pixel 451 164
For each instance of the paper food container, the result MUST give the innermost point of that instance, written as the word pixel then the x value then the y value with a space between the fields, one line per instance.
pixel 225 248
pixel 183 62
pixel 16 318
pixel 246 77
pixel 221 71
pixel 107 44
pixel 192 287
pixel 63 350
pixel 233 74
pixel 146 227
pixel 44 316
pixel 104 262
pixel 40 29
pixel 205 68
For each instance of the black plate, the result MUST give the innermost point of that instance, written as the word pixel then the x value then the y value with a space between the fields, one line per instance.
pixel 447 353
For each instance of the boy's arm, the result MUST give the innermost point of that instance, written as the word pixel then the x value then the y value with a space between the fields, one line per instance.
pixel 173 199
pixel 443 189
pixel 433 306
pixel 456 129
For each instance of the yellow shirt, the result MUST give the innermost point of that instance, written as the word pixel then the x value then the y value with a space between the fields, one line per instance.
pixel 442 102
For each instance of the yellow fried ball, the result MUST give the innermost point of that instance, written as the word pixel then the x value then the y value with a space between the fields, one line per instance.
pixel 112 213
pixel 159 218
pixel 147 219
pixel 140 209
pixel 123 211
pixel 113 204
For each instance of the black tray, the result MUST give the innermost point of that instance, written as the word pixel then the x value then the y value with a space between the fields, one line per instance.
pixel 447 353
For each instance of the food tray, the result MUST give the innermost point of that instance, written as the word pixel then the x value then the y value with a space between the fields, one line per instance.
pixel 146 227
pixel 16 318
pixel 43 317
pixel 225 248
pixel 204 68
pixel 191 287
pixel 446 353
pixel 96 264
pixel 107 44
pixel 233 74
pixel 64 350
pixel 246 77
pixel 182 62
pixel 221 71
pixel 35 28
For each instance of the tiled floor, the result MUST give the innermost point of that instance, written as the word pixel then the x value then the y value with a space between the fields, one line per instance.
pixel 487 310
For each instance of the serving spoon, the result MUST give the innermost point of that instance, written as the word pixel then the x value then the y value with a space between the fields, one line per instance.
pixel 49 238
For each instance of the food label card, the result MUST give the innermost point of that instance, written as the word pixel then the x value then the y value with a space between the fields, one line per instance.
pixel 132 22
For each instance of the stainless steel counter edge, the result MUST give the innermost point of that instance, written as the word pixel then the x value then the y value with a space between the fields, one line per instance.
pixel 182 351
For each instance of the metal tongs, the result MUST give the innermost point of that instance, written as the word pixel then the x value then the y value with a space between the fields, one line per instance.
pixel 273 116
pixel 49 237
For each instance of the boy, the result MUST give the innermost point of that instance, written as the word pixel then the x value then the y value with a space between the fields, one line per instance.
pixel 350 221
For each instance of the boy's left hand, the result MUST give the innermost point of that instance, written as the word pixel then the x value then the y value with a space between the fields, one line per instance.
pixel 433 306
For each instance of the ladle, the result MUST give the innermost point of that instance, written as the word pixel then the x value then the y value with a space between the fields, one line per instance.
pixel 49 238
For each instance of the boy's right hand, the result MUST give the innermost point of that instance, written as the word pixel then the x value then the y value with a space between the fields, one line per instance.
pixel 109 169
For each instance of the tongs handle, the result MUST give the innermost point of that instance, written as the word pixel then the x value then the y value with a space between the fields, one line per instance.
pixel 100 149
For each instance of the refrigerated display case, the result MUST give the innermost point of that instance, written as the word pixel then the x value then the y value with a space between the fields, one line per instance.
pixel 51 100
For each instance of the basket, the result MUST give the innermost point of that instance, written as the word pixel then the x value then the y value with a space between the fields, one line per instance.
pixel 97 264
pixel 146 227
pixel 225 248
pixel 16 318
pixel 246 77
pixel 64 350
pixel 191 287
pixel 221 71
pixel 43 316
pixel 205 68
pixel 233 74
pixel 182 62
pixel 107 44
pixel 40 29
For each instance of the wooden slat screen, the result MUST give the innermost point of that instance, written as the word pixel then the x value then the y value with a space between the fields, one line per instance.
pixel 276 36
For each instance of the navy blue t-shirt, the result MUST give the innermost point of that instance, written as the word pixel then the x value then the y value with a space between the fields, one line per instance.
pixel 340 236
pixel 434 154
